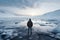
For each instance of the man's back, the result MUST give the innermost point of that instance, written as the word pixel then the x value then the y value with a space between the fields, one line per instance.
pixel 29 23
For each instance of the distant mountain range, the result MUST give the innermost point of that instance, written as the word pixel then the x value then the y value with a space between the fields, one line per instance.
pixel 51 15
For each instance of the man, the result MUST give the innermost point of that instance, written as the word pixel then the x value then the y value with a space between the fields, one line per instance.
pixel 29 23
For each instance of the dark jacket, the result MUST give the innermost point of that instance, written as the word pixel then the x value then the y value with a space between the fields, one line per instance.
pixel 29 23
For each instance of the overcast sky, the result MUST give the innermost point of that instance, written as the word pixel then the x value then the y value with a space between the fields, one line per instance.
pixel 30 7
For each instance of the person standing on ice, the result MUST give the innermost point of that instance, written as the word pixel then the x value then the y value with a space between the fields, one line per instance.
pixel 29 24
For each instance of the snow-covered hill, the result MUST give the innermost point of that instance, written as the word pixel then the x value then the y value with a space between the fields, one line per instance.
pixel 52 15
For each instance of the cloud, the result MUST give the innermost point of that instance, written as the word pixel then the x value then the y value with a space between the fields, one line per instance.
pixel 30 7
pixel 29 3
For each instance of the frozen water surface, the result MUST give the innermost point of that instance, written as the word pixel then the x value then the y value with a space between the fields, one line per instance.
pixel 17 29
